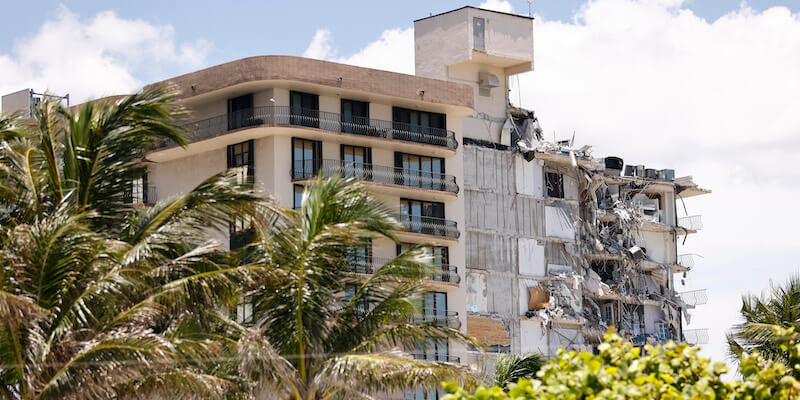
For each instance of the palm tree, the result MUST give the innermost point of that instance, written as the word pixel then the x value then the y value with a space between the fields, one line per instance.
pixel 323 331
pixel 99 299
pixel 779 308
pixel 513 367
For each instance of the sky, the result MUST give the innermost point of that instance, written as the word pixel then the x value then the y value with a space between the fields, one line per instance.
pixel 708 88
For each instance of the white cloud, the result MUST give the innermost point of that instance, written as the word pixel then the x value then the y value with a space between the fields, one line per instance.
pixel 93 57
pixel 497 5
pixel 650 81
pixel 321 45
pixel 393 51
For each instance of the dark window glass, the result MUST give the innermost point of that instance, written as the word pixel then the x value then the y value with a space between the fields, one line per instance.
pixel 423 216
pixel 357 161
pixel 306 158
pixel 240 112
pixel 241 155
pixel 419 171
pixel 421 123
pixel 244 311
pixel 478 34
pixel 555 184
pixel 304 109
pixel 360 258
pixel 136 191
pixel 298 196
pixel 355 116
pixel 441 255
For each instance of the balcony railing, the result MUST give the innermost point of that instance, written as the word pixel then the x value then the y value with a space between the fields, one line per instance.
pixel 686 260
pixel 138 194
pixel 691 223
pixel 694 297
pixel 696 336
pixel 285 115
pixel 304 169
pixel 436 357
pixel 441 317
pixel 430 226
pixel 442 272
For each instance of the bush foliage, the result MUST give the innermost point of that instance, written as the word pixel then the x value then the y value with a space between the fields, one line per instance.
pixel 671 371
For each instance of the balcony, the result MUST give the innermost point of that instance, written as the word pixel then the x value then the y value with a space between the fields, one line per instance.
pixel 696 336
pixel 686 260
pixel 694 298
pixel 139 195
pixel 440 317
pixel 430 226
pixel 285 115
pixel 691 223
pixel 305 169
pixel 443 272
pixel 436 357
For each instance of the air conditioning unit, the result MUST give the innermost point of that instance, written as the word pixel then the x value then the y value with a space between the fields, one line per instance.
pixel 487 80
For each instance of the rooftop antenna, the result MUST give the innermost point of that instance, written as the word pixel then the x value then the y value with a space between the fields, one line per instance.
pixel 529 7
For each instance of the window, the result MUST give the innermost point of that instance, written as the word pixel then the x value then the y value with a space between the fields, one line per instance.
pixel 355 116
pixel 356 161
pixel 241 155
pixel 478 34
pixel 441 255
pixel 423 216
pixel 360 258
pixel 244 311
pixel 298 197
pixel 555 184
pixel 419 171
pixel 306 158
pixel 361 306
pixel 240 112
pixel 137 191
pixel 433 307
pixel 420 122
pixel 304 109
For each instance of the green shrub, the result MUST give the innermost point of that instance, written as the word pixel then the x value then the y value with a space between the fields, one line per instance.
pixel 671 371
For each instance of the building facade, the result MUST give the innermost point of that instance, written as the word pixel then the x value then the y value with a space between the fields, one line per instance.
pixel 539 245
pixel 560 245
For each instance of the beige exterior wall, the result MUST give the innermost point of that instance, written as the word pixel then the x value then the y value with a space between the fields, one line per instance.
pixel 177 170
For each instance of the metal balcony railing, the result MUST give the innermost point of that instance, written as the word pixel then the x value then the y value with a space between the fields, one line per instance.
pixel 285 115
pixel 694 297
pixel 436 357
pixel 137 194
pixel 305 169
pixel 686 260
pixel 692 222
pixel 696 336
pixel 430 226
pixel 368 265
pixel 441 317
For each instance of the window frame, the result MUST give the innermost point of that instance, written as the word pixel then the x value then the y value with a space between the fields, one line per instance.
pixel 554 184
pixel 316 159
pixel 307 116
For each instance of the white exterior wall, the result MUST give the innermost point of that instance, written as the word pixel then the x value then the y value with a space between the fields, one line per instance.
pixel 558 223
pixel 660 245
pixel 529 177
pixel 531 257
pixel 533 337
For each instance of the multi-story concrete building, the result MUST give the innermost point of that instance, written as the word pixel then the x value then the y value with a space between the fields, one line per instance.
pixel 559 245
pixel 540 245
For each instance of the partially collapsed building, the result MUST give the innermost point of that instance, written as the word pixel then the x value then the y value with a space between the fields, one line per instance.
pixel 560 244
pixel 540 245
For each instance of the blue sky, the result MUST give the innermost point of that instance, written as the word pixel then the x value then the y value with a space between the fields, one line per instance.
pixel 707 87
pixel 243 28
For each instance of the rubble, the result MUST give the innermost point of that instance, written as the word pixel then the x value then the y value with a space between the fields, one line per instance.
pixel 607 238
